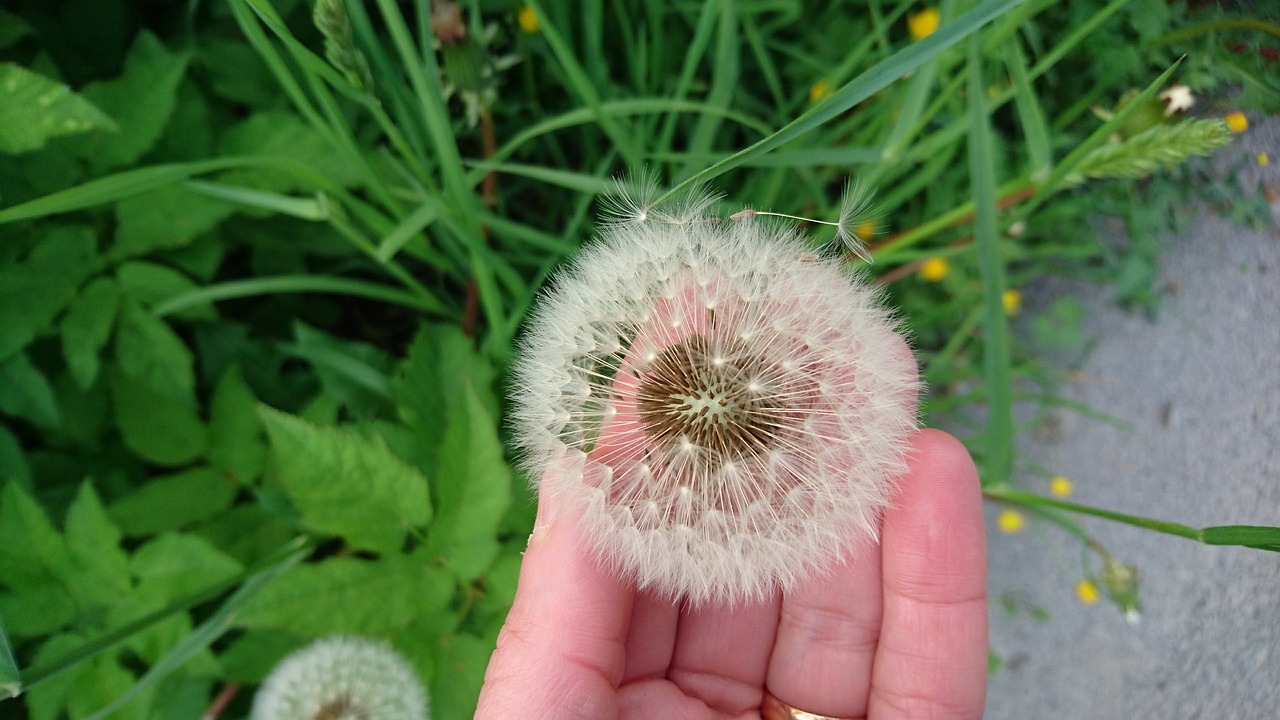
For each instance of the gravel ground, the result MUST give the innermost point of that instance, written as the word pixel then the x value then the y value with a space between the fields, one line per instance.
pixel 1200 388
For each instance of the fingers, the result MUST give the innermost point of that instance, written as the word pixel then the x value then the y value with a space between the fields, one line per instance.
pixel 722 654
pixel 827 638
pixel 932 658
pixel 561 651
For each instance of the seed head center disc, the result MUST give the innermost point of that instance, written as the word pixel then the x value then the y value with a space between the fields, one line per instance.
pixel 718 396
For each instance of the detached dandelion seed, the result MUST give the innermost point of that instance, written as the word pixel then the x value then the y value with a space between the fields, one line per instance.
pixel 342 678
pixel 722 409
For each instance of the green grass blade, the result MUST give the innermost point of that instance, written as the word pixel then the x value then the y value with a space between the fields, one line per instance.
pixel 570 179
pixel 286 284
pixel 203 636
pixel 415 222
pixel 725 74
pixel 860 88
pixel 1031 116
pixel 10 680
pixel 919 89
pixel 998 445
pixel 315 209
pixel 1255 536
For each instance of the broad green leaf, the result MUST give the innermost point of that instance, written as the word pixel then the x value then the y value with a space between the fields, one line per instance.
pixel 162 429
pixel 347 595
pixel 174 501
pixel 33 292
pixel 34 108
pixel 460 663
pixel 168 217
pixel 13 462
pixel 93 542
pixel 26 393
pixel 236 444
pixel 347 485
pixel 46 700
pixel 98 683
pixel 87 327
pixel 140 100
pixel 153 284
pixel 12 29
pixel 252 656
pixel 473 489
pixel 32 551
pixel 248 533
pixel 175 565
pixel 354 373
pixel 33 611
pixel 151 354
pixel 282 135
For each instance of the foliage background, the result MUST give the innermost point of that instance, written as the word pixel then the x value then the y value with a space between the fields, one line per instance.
pixel 257 295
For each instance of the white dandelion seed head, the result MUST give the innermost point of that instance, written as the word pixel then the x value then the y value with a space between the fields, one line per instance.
pixel 342 678
pixel 722 410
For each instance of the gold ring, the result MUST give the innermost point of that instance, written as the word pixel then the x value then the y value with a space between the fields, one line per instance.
pixel 774 709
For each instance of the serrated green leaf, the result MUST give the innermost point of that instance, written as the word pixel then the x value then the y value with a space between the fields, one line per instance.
pixel 140 100
pixel 26 393
pixel 98 683
pixel 152 284
pixel 32 611
pixel 13 462
pixel 45 700
pixel 165 218
pixel 87 327
pixel 32 551
pixel 347 485
pixel 236 443
pixel 174 501
pixel 248 533
pixel 159 428
pixel 252 656
pixel 34 108
pixel 347 595
pixel 355 373
pixel 473 489
pixel 152 354
pixel 93 542
pixel 174 565
pixel 33 292
pixel 282 135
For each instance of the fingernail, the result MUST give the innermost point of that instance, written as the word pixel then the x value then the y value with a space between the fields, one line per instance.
pixel 545 518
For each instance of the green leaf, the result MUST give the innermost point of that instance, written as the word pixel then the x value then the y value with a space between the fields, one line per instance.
pixel 249 533
pixel 10 680
pixel 87 327
pixel 153 284
pixel 32 551
pixel 13 463
pixel 32 611
pixel 473 488
pixel 252 656
pixel 174 565
pixel 26 393
pixel 33 292
pixel 236 444
pixel 354 373
pixel 161 428
pixel 172 216
pixel 460 665
pixel 347 595
pixel 346 485
pixel 140 99
pixel 12 29
pixel 35 108
pixel 283 135
pixel 93 542
pixel 152 354
pixel 174 501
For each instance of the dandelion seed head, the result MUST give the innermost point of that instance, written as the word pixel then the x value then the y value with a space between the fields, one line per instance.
pixel 749 406
pixel 342 678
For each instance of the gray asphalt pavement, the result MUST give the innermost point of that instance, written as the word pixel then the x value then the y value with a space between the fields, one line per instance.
pixel 1200 387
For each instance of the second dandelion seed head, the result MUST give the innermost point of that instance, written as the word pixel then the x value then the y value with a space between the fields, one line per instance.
pixel 722 409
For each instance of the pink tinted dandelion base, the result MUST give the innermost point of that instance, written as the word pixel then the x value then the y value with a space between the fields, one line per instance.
pixel 721 410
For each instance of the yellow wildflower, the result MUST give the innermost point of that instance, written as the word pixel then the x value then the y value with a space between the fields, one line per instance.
pixel 528 20
pixel 1010 521
pixel 865 229
pixel 1263 160
pixel 934 269
pixel 1087 592
pixel 1237 122
pixel 1060 486
pixel 924 23
pixel 1012 300
pixel 820 90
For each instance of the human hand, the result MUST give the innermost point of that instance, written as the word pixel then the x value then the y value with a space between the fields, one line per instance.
pixel 899 630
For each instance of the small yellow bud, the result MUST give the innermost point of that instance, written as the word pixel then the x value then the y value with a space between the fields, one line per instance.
pixel 1237 122
pixel 924 23
pixel 1012 300
pixel 865 230
pixel 1087 592
pixel 528 20
pixel 1010 522
pixel 934 269
pixel 1061 487
pixel 1263 160
pixel 820 90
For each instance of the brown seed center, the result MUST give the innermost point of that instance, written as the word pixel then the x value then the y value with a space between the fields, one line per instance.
pixel 719 396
